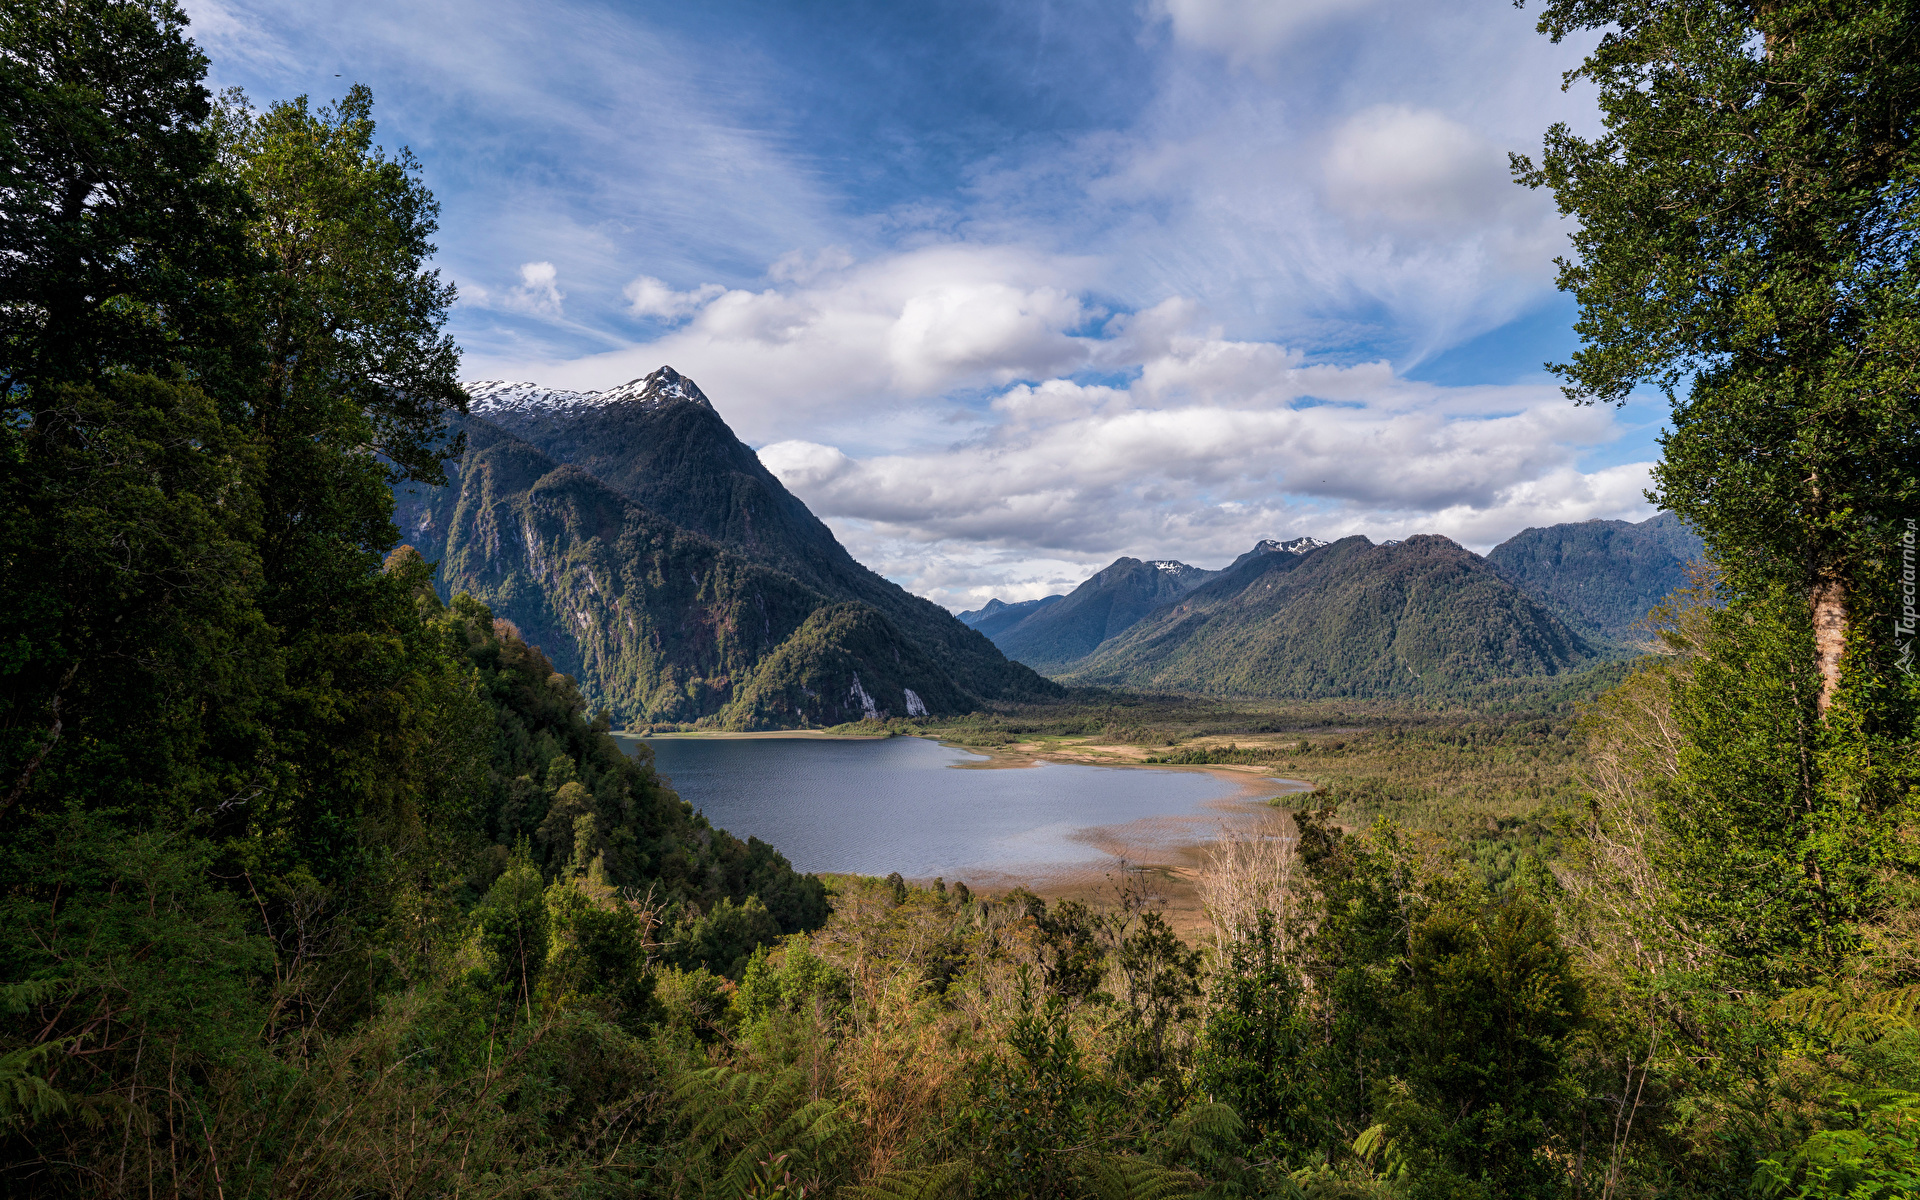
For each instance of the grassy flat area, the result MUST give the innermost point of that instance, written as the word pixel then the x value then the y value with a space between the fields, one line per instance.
pixel 1493 782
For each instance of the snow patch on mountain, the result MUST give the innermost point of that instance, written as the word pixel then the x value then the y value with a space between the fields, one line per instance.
pixel 1299 545
pixel 495 398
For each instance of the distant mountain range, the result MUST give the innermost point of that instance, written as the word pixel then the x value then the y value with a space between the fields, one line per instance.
pixel 1346 619
pixel 647 550
pixel 1602 576
pixel 652 555
pixel 1060 631
pixel 1302 617
pixel 997 615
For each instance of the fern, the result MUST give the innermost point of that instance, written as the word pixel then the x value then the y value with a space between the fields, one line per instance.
pixel 25 1094
pixel 1204 1128
pixel 1124 1177
pixel 1376 1144
pixel 1847 1016
pixel 930 1183
pixel 16 998
pixel 749 1119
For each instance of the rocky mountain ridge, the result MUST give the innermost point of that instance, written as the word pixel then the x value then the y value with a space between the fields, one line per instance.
pixel 647 550
pixel 1425 616
pixel 662 445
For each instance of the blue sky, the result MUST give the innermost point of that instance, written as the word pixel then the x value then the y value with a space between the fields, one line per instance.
pixel 1007 290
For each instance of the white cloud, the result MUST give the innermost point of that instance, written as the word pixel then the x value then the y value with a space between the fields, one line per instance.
pixel 539 290
pixel 1215 445
pixel 1416 168
pixel 649 297
pixel 1245 29
pixel 835 337
pixel 537 294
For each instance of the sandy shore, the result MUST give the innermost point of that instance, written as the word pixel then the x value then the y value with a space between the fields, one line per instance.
pixel 1162 853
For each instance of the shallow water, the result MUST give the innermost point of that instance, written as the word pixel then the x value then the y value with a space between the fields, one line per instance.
pixel 910 805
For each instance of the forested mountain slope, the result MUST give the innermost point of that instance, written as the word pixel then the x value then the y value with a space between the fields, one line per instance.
pixel 656 622
pixel 1348 619
pixel 658 442
pixel 1600 576
pixel 1055 635
pixel 997 615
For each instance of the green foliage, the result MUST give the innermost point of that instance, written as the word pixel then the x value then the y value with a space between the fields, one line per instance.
pixel 1777 843
pixel 1259 1028
pixel 1746 229
pixel 111 213
pixel 799 980
pixel 1875 1155
pixel 1421 618
pixel 512 923
pixel 748 1125
pixel 1438 1038
pixel 724 938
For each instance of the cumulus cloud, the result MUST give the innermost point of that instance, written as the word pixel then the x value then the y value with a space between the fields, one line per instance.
pixel 834 337
pixel 649 297
pixel 1215 444
pixel 537 294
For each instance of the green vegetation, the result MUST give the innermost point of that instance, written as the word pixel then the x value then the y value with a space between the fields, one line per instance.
pixel 1422 618
pixel 1746 232
pixel 1601 577
pixel 315 884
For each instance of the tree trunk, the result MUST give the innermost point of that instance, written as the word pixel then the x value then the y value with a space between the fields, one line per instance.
pixel 1829 635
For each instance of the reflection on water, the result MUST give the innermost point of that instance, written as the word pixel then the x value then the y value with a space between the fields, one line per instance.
pixel 871 807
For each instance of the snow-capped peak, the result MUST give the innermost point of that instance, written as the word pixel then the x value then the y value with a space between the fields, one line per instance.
pixel 504 398
pixel 1299 545
pixel 1169 565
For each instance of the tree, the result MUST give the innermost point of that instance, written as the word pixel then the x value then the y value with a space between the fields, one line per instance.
pixel 112 216
pixel 128 506
pixel 1747 233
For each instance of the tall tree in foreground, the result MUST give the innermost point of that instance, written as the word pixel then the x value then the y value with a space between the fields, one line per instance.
pixel 1747 234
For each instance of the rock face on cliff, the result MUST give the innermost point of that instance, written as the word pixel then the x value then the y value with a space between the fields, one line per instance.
pixel 648 552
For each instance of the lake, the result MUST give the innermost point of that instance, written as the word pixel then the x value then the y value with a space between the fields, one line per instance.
pixel 923 809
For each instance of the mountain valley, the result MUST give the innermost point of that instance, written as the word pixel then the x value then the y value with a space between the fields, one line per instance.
pixel 655 558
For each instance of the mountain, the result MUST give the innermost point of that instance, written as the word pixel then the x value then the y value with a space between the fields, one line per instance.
pixel 1601 576
pixel 996 615
pixel 1057 634
pixel 656 622
pixel 1299 545
pixel 1346 619
pixel 659 443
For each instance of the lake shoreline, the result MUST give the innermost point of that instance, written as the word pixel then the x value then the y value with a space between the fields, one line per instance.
pixel 1018 755
pixel 1164 852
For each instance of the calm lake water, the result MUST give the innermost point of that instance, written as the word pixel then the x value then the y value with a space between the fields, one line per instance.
pixel 911 805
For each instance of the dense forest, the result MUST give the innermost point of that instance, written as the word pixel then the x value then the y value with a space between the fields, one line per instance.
pixel 313 884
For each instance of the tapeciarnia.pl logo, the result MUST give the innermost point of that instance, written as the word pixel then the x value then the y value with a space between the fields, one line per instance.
pixel 1903 626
